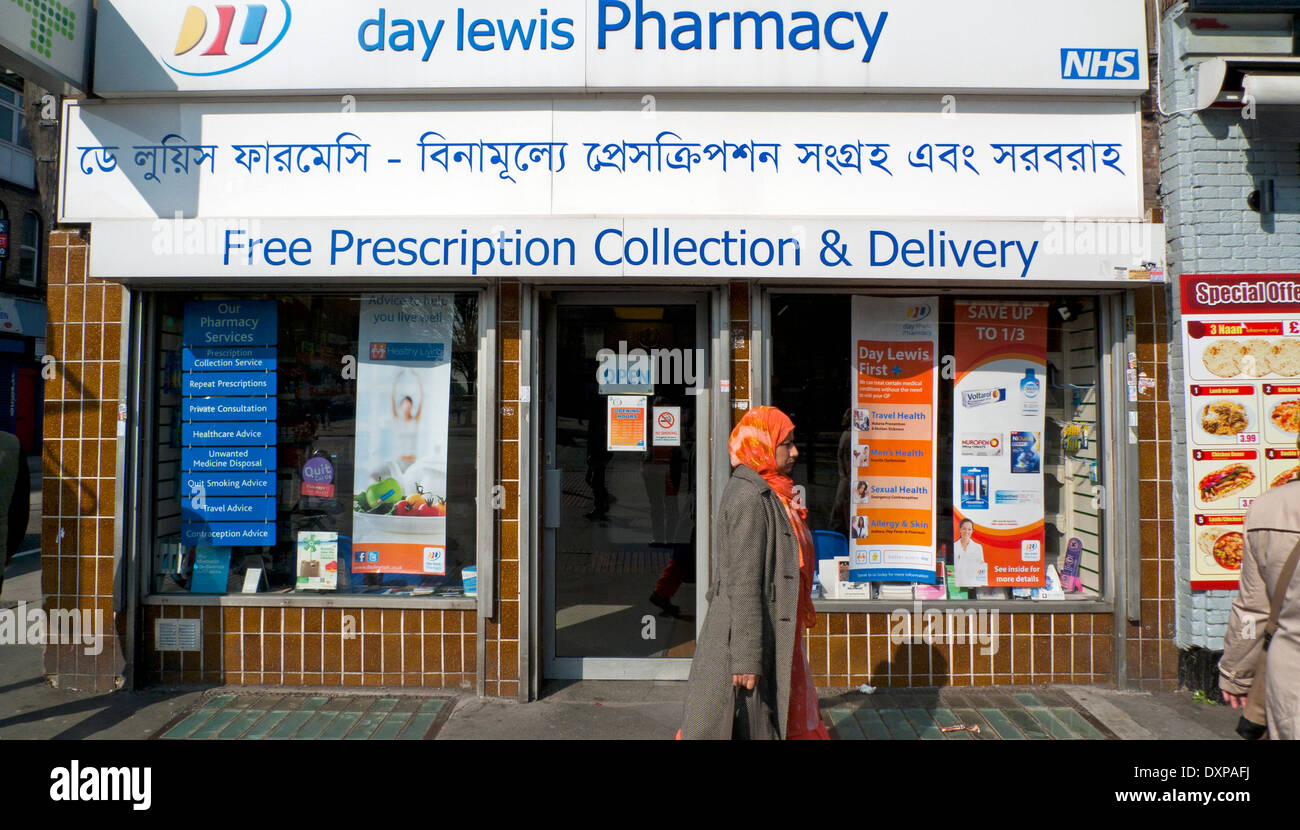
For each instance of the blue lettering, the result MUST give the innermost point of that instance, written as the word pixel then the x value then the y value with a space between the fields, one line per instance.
pixel 516 32
pixel 230 245
pixel 336 249
pixel 893 254
pixel 758 19
pixel 809 29
pixel 830 35
pixel 913 247
pixel 871 37
pixel 406 30
pixel 430 40
pixel 378 43
pixel 599 238
pixel 986 247
pixel 567 34
pixel 605 25
pixel 481 29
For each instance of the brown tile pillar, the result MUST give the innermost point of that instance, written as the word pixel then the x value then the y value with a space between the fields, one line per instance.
pixel 79 470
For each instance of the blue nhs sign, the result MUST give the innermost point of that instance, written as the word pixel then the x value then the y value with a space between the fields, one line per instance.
pixel 1085 64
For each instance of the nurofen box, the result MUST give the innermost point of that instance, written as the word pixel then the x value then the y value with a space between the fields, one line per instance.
pixel 980 397
pixel 980 444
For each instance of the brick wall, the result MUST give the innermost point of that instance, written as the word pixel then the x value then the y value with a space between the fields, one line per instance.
pixel 1210 162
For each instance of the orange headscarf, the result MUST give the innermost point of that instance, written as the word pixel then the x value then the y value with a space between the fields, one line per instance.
pixel 753 443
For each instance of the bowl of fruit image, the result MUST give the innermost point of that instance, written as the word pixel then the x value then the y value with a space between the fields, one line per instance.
pixel 386 506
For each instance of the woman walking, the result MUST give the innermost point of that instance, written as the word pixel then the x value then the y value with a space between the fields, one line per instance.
pixel 750 676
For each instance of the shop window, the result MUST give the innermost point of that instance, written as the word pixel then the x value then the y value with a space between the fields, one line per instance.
pixel 13 121
pixel 316 445
pixel 29 251
pixel 991 415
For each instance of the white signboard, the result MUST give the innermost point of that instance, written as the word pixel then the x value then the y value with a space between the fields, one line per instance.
pixel 603 248
pixel 401 46
pixel 828 156
pixel 47 40
pixel 666 426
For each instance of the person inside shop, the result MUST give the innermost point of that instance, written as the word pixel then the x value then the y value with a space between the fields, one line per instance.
pixel 968 558
pixel 844 458
pixel 750 676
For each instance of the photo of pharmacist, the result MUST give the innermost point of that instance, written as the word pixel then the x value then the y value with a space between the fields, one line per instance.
pixel 968 558
pixel 860 527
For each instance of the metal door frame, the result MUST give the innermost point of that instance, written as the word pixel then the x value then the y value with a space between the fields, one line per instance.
pixel 707 335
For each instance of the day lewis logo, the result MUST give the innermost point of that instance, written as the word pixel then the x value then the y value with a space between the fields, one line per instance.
pixel 214 40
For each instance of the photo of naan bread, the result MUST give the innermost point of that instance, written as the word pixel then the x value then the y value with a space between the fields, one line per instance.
pixel 1224 418
pixel 1286 416
pixel 1225 481
pixel 1285 359
pixel 1223 358
pixel 1257 358
pixel 1284 476
pixel 1223 548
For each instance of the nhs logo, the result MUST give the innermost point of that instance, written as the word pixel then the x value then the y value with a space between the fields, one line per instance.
pixel 1085 64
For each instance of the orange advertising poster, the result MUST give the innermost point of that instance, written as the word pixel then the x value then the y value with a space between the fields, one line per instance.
pixel 892 515
pixel 999 402
pixel 626 422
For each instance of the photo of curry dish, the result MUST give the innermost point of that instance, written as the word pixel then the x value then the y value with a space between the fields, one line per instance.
pixel 1286 416
pixel 1224 418
pixel 1227 480
pixel 1228 549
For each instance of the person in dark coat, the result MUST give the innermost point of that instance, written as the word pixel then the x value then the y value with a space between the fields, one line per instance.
pixel 750 676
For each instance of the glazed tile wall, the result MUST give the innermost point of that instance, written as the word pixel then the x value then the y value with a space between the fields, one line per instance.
pixel 79 462
pixel 501 631
pixel 317 647
pixel 1152 653
pixel 848 649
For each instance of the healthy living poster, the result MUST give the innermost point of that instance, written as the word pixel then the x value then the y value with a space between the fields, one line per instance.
pixel 1000 350
pixel 1241 351
pixel 399 522
pixel 892 506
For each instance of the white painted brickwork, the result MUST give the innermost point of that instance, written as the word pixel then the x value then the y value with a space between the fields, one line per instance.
pixel 1209 164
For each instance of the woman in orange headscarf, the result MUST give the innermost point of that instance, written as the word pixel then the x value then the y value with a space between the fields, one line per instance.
pixel 750 675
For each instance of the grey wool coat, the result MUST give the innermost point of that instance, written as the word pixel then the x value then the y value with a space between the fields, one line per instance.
pixel 752 618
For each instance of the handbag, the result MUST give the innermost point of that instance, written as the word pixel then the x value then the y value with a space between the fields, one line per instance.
pixel 1253 724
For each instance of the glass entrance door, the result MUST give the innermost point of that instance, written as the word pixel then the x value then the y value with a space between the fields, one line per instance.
pixel 624 394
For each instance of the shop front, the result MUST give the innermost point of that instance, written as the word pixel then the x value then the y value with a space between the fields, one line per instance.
pixel 401 387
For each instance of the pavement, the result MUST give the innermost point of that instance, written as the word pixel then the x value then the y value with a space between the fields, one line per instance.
pixel 31 709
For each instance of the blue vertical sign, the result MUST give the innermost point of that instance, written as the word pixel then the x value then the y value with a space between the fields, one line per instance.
pixel 229 429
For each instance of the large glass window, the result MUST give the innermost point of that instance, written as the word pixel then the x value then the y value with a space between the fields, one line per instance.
pixel 312 444
pixel 1011 439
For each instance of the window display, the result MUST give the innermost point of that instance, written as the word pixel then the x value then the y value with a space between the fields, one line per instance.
pixel 948 446
pixel 314 444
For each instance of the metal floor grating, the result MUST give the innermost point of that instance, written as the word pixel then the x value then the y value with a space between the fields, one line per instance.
pixel 304 717
pixel 909 715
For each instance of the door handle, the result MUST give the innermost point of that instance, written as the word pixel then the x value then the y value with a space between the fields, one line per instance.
pixel 551 510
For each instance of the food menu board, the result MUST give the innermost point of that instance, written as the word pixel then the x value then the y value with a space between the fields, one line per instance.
pixel 999 400
pixel 892 505
pixel 1241 351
